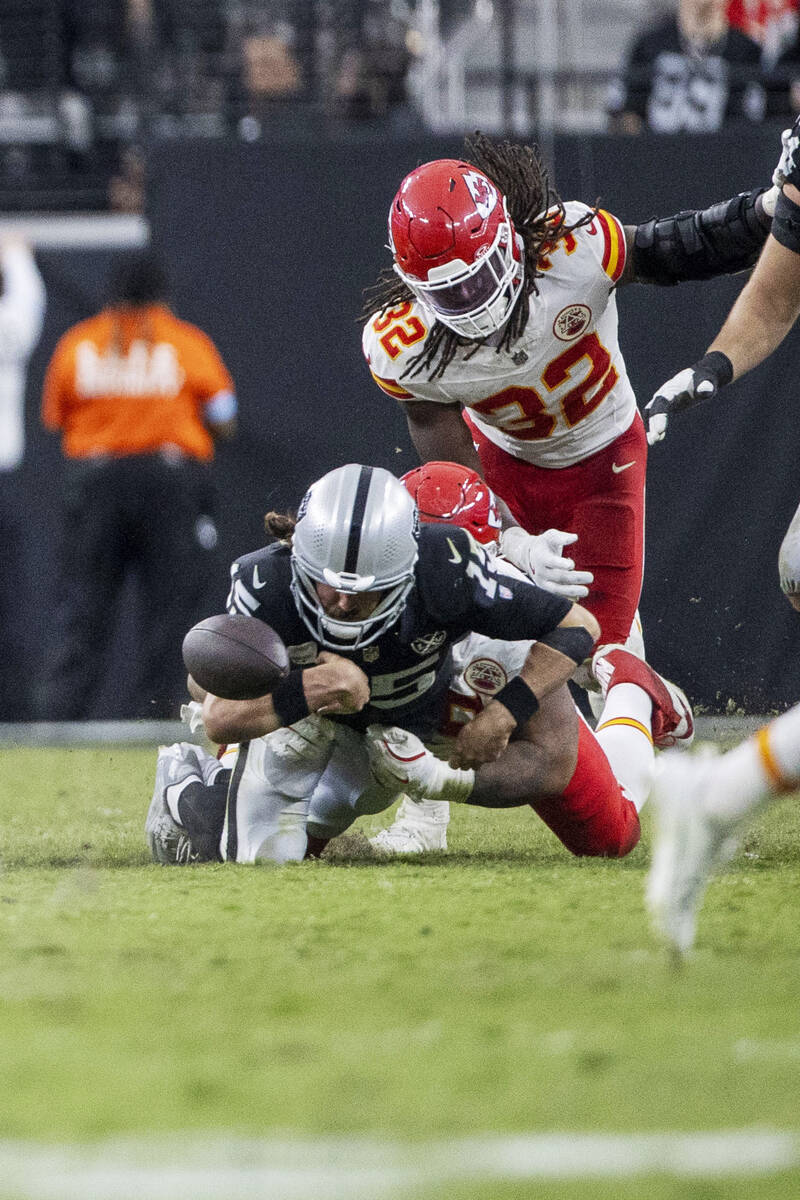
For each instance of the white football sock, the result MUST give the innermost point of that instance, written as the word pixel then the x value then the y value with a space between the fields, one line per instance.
pixel 757 770
pixel 624 733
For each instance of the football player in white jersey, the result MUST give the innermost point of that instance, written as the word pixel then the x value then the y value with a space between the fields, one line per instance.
pixel 497 333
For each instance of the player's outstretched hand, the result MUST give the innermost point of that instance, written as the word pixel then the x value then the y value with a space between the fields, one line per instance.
pixel 541 557
pixel 788 168
pixel 688 387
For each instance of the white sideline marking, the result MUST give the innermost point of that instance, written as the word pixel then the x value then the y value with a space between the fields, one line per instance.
pixel 196 1168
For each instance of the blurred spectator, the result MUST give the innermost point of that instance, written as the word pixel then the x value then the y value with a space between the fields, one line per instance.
pixel 269 67
pixel 126 188
pixel 268 74
pixel 690 72
pixel 370 85
pixel 139 398
pixel 783 81
pixel 771 23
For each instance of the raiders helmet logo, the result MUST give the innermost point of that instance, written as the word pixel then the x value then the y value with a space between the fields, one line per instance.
pixel 572 321
pixel 485 676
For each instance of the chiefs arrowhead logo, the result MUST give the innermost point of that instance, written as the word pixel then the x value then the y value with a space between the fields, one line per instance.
pixel 485 676
pixel 482 193
pixel 571 322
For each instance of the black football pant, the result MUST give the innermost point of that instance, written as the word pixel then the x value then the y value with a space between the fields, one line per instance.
pixel 145 517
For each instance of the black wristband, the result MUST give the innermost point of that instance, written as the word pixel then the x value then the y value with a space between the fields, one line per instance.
pixel 518 698
pixel 786 223
pixel 289 699
pixel 715 366
pixel 575 642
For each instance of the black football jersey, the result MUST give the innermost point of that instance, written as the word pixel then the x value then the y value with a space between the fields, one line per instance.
pixel 409 667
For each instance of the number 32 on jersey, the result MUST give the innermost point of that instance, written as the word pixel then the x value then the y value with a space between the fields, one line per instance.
pixel 398 329
pixel 522 413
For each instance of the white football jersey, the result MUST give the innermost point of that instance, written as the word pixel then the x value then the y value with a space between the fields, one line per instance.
pixel 562 391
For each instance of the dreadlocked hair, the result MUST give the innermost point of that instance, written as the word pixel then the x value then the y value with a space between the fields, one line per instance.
pixel 280 526
pixel 537 213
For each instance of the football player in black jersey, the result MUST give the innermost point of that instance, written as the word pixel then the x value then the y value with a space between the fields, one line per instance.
pixel 388 601
pixel 364 581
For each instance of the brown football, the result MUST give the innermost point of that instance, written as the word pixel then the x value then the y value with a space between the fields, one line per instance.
pixel 234 656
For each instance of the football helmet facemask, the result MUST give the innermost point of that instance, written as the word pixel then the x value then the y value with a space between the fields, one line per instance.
pixel 455 246
pixel 357 531
pixel 451 494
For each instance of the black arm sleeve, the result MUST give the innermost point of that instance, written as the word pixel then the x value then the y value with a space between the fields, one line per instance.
pixel 700 244
pixel 786 226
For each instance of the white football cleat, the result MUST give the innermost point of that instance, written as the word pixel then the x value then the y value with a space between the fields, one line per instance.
pixel 688 844
pixel 169 842
pixel 400 762
pixel 418 826
pixel 672 720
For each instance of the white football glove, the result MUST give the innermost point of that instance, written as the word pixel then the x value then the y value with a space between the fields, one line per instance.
pixel 688 387
pixel 192 715
pixel 788 168
pixel 540 556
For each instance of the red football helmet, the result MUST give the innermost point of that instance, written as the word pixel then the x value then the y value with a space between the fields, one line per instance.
pixel 447 493
pixel 455 246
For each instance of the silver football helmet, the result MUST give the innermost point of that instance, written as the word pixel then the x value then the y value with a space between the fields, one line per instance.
pixel 356 531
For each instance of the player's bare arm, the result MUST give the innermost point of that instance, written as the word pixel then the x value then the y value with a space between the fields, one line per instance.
pixel 440 435
pixel 550 663
pixel 540 759
pixel 761 317
pixel 767 307
pixel 332 685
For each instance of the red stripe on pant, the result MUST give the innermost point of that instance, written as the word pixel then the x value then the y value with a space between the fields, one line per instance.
pixel 592 816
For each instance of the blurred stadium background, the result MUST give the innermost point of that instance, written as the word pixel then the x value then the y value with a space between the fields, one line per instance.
pixel 257 144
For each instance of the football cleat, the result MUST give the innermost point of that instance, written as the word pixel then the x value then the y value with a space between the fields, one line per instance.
pixel 169 843
pixel 400 762
pixel 688 845
pixel 418 826
pixel 672 720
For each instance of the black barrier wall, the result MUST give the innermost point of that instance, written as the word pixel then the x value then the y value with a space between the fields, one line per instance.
pixel 269 247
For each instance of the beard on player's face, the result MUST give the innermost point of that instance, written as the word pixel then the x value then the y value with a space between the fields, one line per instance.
pixel 347 606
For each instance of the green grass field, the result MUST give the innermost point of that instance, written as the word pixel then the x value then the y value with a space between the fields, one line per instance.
pixel 502 989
